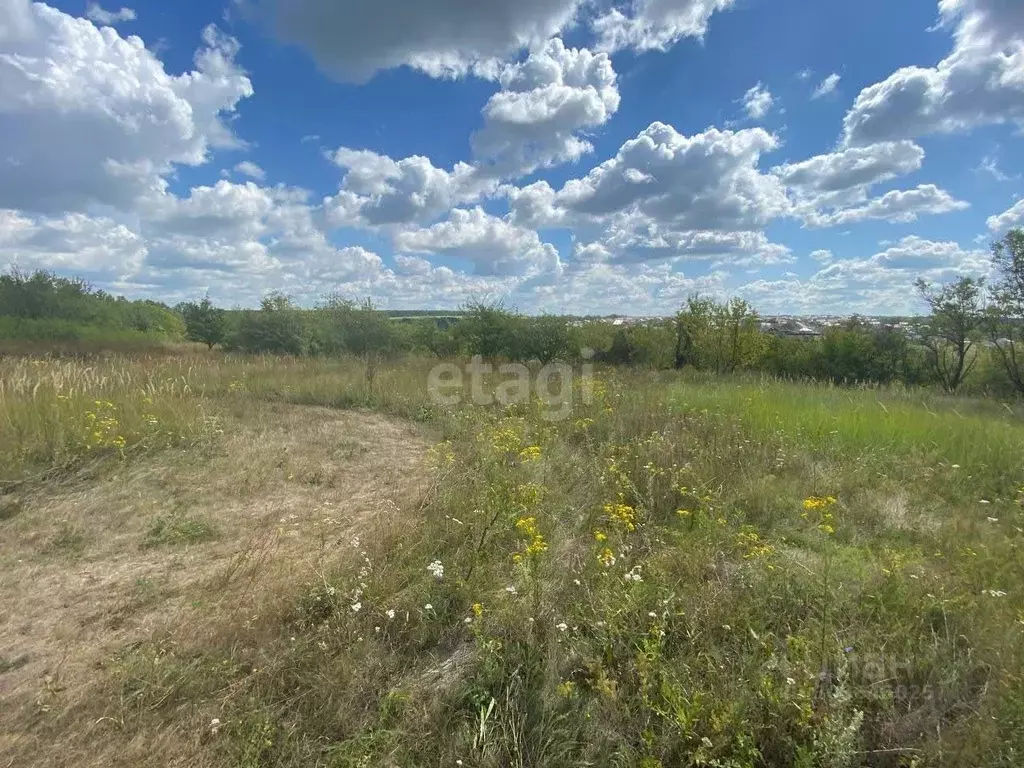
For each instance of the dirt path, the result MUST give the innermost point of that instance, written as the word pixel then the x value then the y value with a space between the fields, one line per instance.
pixel 86 570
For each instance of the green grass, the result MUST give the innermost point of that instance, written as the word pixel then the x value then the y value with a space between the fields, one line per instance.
pixel 178 530
pixel 647 585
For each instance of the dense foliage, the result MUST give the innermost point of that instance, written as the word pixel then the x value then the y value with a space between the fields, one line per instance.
pixel 43 306
pixel 973 339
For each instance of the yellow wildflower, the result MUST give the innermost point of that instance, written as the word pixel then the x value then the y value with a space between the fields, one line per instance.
pixel 531 453
pixel 623 514
pixel 535 545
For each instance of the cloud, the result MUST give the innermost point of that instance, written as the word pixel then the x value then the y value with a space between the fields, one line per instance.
pixel 992 23
pixel 94 12
pixel 879 284
pixel 980 82
pixel 824 255
pixel 534 206
pixel 1009 218
pixel 378 191
pixel 93 247
pixel 757 102
pixel 827 86
pixel 589 286
pixel 665 195
pixel 895 206
pixel 850 168
pixel 709 181
pixel 16 20
pixel 841 181
pixel 225 210
pixel 534 121
pixel 354 39
pixel 250 169
pixel 131 121
pixel 990 165
pixel 634 237
pixel 493 245
pixel 655 24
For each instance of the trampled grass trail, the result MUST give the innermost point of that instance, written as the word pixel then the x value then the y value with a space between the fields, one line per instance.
pixel 685 571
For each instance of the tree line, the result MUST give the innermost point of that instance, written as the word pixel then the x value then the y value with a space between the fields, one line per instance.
pixel 42 306
pixel 972 340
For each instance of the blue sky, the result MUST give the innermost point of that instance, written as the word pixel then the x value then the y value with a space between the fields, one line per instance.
pixel 557 155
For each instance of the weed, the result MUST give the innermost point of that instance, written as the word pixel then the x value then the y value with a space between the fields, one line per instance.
pixel 178 530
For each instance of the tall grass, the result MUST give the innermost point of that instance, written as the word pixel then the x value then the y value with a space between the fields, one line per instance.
pixel 682 573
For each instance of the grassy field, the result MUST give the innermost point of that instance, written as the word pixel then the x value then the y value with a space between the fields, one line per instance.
pixel 210 561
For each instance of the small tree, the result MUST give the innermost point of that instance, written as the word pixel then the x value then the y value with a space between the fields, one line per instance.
pixel 719 337
pixel 952 330
pixel 692 326
pixel 1006 317
pixel 203 322
pixel 275 328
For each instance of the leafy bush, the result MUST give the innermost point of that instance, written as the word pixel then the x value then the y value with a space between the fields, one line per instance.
pixel 276 327
pixel 42 306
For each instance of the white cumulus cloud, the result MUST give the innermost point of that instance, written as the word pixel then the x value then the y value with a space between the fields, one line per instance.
pixel 377 190
pixel 894 206
pixel 535 120
pixel 758 101
pixel 655 24
pixel 826 86
pixel 96 13
pixel 354 39
pixel 1011 217
pixel 980 82
pixel 709 181
pixel 250 169
pixel 493 245
pixel 131 120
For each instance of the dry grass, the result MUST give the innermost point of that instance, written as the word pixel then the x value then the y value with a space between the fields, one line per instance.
pixel 827 577
pixel 282 487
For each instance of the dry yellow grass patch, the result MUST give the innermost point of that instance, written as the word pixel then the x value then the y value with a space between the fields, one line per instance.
pixel 184 538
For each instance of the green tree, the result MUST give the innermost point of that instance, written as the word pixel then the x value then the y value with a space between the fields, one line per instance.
pixel 719 337
pixel 547 338
pixel 204 322
pixel 1006 316
pixel 341 325
pixel 952 330
pixel 489 330
pixel 276 327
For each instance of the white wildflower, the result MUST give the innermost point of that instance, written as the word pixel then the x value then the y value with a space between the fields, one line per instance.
pixel 357 607
pixel 436 569
pixel 561 626
pixel 634 574
pixel 390 613
pixel 215 725
pixel 511 590
pixel 428 607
